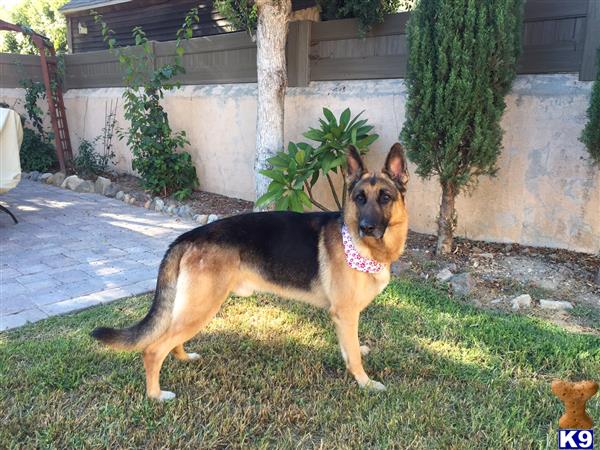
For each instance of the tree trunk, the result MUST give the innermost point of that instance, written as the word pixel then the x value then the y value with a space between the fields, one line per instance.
pixel 271 35
pixel 446 219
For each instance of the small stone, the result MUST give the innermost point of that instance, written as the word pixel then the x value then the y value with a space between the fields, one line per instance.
pixel 57 179
pixel 71 182
pixel 202 219
pixel 462 284
pixel 212 218
pixel 486 255
pixel 45 177
pixel 452 267
pixel 444 275
pixel 119 195
pixel 102 185
pixel 184 212
pixel 598 277
pixel 25 175
pixel 158 204
pixel 496 301
pixel 400 266
pixel 126 198
pixel 476 250
pixel 508 248
pixel 522 301
pixel 85 186
pixel 112 190
pixel 148 204
pixel 555 304
pixel 131 200
pixel 550 284
pixel 171 210
pixel 34 175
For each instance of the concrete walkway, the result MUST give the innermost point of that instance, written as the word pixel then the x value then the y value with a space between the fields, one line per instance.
pixel 71 251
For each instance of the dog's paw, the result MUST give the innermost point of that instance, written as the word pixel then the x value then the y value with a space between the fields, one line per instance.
pixel 373 385
pixel 193 356
pixel 364 350
pixel 165 396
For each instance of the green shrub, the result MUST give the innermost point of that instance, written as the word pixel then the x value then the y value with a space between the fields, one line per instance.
pixel 295 172
pixel 367 12
pixel 591 133
pixel 36 153
pixel 163 168
pixel 462 60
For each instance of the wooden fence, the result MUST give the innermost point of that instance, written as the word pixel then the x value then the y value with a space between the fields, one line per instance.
pixel 558 36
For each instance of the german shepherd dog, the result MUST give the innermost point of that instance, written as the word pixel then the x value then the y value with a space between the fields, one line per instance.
pixel 316 258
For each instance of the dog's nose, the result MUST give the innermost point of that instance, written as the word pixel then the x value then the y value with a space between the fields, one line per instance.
pixel 366 228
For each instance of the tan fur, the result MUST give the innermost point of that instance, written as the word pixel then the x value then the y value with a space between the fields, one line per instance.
pixel 209 273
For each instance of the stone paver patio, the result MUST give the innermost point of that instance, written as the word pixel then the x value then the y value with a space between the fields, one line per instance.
pixel 71 251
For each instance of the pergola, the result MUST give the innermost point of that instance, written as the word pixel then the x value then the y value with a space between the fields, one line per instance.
pixel 56 106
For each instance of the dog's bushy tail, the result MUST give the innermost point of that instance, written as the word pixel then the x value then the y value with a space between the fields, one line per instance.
pixel 157 320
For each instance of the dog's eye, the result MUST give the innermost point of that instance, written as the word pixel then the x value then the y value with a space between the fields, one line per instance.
pixel 360 198
pixel 384 198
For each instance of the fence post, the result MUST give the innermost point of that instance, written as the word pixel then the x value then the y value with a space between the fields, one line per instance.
pixel 591 43
pixel 298 48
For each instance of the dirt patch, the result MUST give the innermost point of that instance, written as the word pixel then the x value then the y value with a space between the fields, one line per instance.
pixel 500 272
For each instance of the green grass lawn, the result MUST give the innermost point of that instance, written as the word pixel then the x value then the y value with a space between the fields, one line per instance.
pixel 271 376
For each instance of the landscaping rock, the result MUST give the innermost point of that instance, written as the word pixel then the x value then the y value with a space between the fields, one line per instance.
pixel 185 212
pixel 486 255
pixel 34 175
pixel 171 209
pixel 85 186
pixel 444 275
pixel 45 177
pixel 462 284
pixel 555 304
pixel 24 175
pixel 57 179
pixel 598 277
pixel 400 266
pixel 112 190
pixel 522 301
pixel 549 284
pixel 147 204
pixel 126 198
pixel 71 182
pixel 212 218
pixel 158 204
pixel 202 219
pixel 119 195
pixel 101 185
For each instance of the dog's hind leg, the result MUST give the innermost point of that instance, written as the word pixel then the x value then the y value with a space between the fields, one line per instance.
pixel 200 294
pixel 180 353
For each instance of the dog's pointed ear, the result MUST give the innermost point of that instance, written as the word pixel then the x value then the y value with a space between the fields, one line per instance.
pixel 356 166
pixel 395 166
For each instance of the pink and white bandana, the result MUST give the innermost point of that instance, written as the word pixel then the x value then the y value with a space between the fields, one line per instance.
pixel 354 259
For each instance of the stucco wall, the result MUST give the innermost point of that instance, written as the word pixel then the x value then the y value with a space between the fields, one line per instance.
pixel 546 192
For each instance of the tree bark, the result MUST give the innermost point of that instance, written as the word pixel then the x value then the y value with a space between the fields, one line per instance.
pixel 271 36
pixel 446 219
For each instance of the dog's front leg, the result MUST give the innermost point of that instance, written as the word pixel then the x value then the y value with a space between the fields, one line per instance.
pixel 346 326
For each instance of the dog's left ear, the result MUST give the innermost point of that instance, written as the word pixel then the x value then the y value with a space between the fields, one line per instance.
pixel 395 166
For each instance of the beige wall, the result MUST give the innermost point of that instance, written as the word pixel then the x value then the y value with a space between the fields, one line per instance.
pixel 546 192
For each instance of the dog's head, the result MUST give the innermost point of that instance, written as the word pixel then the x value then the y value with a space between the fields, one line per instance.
pixel 375 200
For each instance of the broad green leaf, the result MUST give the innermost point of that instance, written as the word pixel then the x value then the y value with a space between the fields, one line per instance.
pixel 330 117
pixel 367 141
pixel 266 198
pixel 344 118
pixel 274 175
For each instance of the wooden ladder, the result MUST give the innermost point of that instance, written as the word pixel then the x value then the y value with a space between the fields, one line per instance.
pixel 56 108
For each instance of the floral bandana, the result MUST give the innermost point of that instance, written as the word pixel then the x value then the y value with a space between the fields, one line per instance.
pixel 354 259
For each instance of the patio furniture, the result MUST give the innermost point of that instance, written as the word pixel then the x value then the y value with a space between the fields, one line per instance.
pixel 11 136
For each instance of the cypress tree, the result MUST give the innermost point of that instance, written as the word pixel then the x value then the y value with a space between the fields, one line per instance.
pixel 462 60
pixel 591 133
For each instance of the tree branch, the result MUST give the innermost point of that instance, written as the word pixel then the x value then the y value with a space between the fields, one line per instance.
pixel 335 196
pixel 312 200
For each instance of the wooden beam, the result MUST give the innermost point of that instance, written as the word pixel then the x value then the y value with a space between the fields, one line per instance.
pixel 591 43
pixel 297 54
